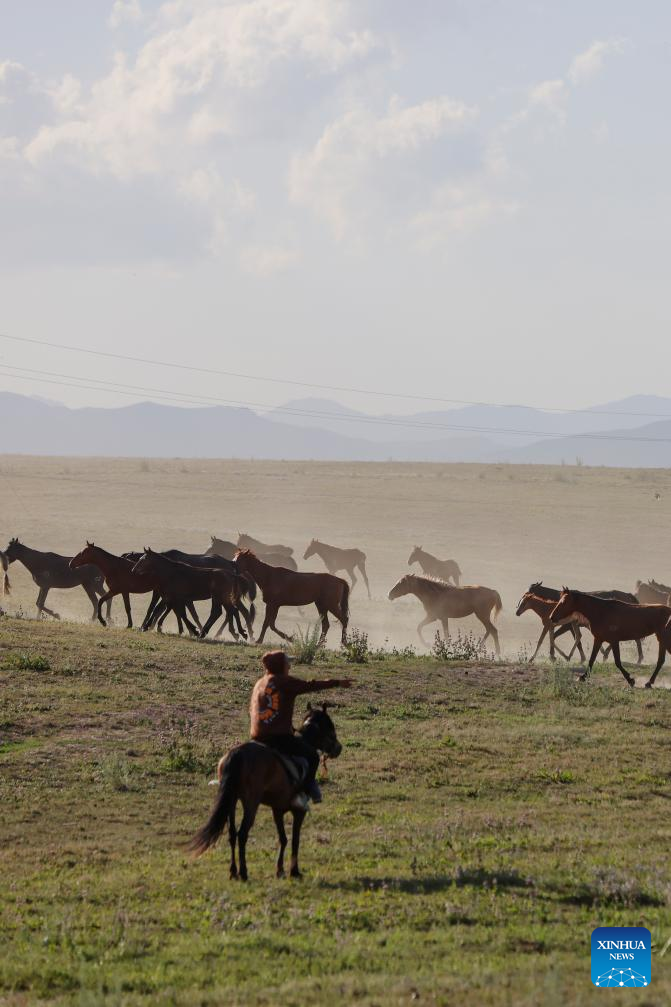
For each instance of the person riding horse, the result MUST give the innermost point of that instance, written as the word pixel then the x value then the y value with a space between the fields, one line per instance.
pixel 271 715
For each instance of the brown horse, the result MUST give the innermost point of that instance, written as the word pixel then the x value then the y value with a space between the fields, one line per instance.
pixel 335 559
pixel 615 621
pixel 443 569
pixel 543 608
pixel 442 602
pixel 285 587
pixel 259 548
pixel 118 573
pixel 220 547
pixel 178 583
pixel 255 774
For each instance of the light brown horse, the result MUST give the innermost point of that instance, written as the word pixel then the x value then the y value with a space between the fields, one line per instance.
pixel 444 569
pixel 442 602
pixel 652 593
pixel 247 542
pixel 286 587
pixel 542 608
pixel 615 621
pixel 336 559
pixel 254 774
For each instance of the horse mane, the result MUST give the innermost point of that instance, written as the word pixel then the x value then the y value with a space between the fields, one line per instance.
pixel 434 584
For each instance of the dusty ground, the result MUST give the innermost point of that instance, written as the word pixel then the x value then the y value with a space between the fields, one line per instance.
pixel 505 525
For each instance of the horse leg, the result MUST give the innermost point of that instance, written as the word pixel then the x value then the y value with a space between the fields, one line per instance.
pixel 295 842
pixel 148 620
pixel 93 598
pixel 194 615
pixel 249 814
pixel 352 577
pixel 42 593
pixel 445 623
pixel 232 839
pixel 266 624
pixel 99 606
pixel 660 661
pixel 215 612
pixel 538 645
pixel 616 654
pixel 343 616
pixel 42 607
pixel 246 615
pixel 180 610
pixel 325 625
pixel 592 658
pixel 425 622
pixel 639 648
pixel 362 570
pixel 221 628
pixel 282 836
pixel 164 611
pixel 274 609
pixel 129 614
pixel 491 631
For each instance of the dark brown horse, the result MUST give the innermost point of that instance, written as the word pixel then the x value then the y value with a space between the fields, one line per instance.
pixel 286 587
pixel 552 594
pixel 542 608
pixel 444 569
pixel 259 548
pixel 254 774
pixel 220 547
pixel 179 583
pixel 336 559
pixel 614 622
pixel 118 573
pixel 443 602
pixel 49 569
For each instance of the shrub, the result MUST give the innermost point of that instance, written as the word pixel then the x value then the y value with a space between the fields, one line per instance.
pixel 115 772
pixel 182 750
pixel 27 662
pixel 464 647
pixel 355 649
pixel 307 646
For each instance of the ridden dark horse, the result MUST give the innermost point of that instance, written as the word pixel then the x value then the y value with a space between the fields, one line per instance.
pixel 612 621
pixel 254 774
pixel 48 570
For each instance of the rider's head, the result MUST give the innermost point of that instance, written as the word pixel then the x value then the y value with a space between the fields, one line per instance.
pixel 276 662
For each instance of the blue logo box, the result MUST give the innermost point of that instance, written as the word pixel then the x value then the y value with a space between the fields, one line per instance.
pixel 621 956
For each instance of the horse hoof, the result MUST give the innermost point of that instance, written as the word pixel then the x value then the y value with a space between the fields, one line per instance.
pixel 295 873
pixel 280 874
pixel 648 685
pixel 582 678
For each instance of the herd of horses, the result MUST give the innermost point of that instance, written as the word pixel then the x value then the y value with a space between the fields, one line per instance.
pixel 229 575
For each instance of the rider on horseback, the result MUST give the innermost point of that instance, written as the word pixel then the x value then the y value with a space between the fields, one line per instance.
pixel 271 715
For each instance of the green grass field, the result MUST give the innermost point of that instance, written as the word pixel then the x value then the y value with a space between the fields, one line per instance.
pixel 479 824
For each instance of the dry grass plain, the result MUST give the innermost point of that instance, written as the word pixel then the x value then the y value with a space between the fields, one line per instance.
pixel 505 525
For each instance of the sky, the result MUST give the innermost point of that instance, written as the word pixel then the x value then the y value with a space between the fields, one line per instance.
pixel 466 199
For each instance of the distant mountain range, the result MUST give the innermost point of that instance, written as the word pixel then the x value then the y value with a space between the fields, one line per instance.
pixel 624 433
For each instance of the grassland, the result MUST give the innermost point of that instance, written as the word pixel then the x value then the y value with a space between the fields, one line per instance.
pixel 481 821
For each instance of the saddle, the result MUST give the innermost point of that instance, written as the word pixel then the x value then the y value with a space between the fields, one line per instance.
pixel 296 766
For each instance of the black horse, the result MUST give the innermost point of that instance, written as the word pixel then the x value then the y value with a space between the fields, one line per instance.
pixel 48 570
pixel 254 774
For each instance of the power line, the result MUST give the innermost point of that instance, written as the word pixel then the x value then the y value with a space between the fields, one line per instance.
pixel 323 387
pixel 119 388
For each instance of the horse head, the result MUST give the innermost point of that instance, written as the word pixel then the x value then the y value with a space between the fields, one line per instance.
pixel 11 552
pixel 524 603
pixel 311 549
pixel 320 729
pixel 399 589
pixel 414 555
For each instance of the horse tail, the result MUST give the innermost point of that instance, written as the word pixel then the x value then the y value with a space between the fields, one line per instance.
pixel 229 780
pixel 5 584
pixel 498 604
pixel 5 567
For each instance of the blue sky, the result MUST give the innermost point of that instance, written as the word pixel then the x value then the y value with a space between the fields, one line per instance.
pixel 467 199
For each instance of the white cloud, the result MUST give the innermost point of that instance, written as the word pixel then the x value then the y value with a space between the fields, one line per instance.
pixel 588 63
pixel 358 154
pixel 123 11
pixel 265 260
